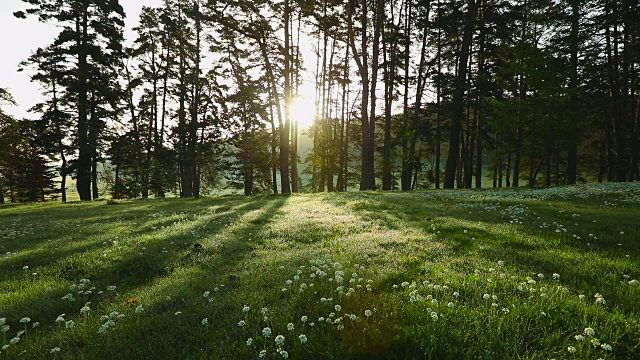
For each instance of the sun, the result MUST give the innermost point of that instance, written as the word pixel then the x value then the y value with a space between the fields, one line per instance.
pixel 303 110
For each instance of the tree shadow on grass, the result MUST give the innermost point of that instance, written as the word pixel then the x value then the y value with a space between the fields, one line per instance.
pixel 132 271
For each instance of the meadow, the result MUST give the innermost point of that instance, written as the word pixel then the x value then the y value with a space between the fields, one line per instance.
pixel 448 274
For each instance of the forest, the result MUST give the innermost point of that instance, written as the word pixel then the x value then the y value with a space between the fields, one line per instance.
pixel 409 94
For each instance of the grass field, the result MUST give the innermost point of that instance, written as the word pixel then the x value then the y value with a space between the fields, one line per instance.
pixel 491 274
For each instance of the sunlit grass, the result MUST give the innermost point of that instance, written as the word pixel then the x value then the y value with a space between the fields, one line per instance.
pixel 439 274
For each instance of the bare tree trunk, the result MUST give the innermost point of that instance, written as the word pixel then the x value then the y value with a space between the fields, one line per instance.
pixel 438 105
pixel 481 82
pixel 405 175
pixel 284 134
pixel 417 106
pixel 83 183
pixel 572 153
pixel 458 96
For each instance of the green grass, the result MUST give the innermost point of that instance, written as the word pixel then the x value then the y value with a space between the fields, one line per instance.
pixel 434 274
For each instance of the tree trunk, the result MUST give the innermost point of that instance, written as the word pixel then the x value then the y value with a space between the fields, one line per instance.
pixel 186 176
pixel 412 161
pixel 368 171
pixel 83 183
pixel 363 69
pixel 294 146
pixel 457 104
pixel 195 103
pixel 285 183
pixel 572 153
pixel 405 176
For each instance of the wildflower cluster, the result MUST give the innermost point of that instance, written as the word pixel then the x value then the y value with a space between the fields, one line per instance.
pixel 324 283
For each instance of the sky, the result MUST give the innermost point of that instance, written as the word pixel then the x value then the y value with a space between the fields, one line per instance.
pixel 21 37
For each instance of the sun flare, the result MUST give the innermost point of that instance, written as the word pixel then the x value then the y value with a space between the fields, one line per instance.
pixel 303 110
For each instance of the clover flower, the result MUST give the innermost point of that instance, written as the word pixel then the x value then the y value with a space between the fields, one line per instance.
pixel 284 354
pixel 85 309
pixel 634 282
pixel 54 350
pixel 204 321
pixel 338 307
pixel 262 354
pixel 69 324
pixel 14 340
pixel 25 320
pixel 486 296
pixel 434 316
pixel 606 347
pixel 290 326
pixel 206 294
pixel 579 337
pixel 303 319
pixel 60 318
pixel 241 323
pixel 266 332
pixel 249 341
pixel 303 338
pixel 571 349
pixel 451 305
pixel 368 313
pixel 246 308
pixel 279 340
pixel 139 309
pixel 595 342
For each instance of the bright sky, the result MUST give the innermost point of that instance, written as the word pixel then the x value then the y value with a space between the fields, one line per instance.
pixel 22 37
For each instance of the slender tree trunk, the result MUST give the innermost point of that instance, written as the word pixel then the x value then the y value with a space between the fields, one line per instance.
pixel 343 125
pixel 458 97
pixel 438 105
pixel 193 126
pixel 83 183
pixel 388 102
pixel 547 173
pixel 186 176
pixel 508 170
pixel 274 146
pixel 532 154
pixel 368 171
pixel 294 145
pixel 481 84
pixel 412 162
pixel 363 69
pixel 572 153
pixel 93 145
pixel 405 176
pixel 285 182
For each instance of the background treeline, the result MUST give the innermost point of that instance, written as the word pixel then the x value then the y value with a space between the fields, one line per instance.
pixel 409 94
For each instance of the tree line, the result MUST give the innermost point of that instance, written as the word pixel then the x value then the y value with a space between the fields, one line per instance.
pixel 409 94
